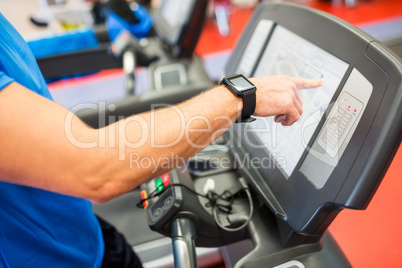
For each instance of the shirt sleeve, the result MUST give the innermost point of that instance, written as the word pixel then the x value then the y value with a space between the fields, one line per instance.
pixel 4 80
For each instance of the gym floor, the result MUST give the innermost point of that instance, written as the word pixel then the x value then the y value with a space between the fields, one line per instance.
pixel 369 238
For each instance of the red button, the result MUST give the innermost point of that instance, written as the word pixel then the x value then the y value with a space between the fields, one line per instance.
pixel 165 179
pixel 144 196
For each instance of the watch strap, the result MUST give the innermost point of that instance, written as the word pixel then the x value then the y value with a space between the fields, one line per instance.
pixel 248 110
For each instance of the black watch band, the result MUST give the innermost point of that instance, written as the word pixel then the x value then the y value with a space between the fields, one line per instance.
pixel 249 100
pixel 243 88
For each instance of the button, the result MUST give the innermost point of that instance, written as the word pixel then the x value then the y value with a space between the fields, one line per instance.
pixel 159 185
pixel 144 196
pixel 166 179
pixel 168 202
pixel 157 213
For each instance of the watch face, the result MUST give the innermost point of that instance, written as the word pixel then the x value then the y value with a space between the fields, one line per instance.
pixel 240 83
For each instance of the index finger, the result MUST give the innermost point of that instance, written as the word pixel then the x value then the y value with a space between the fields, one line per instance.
pixel 307 83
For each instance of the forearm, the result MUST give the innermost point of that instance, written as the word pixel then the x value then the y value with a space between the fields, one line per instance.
pixel 155 142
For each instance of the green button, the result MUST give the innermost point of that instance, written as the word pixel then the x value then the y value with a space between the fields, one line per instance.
pixel 159 185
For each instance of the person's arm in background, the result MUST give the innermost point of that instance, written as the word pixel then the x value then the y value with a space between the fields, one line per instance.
pixel 44 146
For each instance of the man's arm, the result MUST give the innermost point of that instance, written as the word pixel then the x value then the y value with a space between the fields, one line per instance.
pixel 45 146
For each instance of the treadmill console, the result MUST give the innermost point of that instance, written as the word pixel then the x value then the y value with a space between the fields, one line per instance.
pixel 336 154
pixel 179 25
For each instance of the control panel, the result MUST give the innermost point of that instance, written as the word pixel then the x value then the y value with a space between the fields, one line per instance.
pixel 160 203
pixel 193 191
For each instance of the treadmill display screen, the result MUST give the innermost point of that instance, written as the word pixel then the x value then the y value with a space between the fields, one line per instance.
pixel 176 12
pixel 289 54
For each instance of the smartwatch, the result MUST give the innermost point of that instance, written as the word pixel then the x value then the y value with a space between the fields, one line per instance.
pixel 243 88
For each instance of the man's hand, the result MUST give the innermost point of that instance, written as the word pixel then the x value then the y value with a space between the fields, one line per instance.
pixel 278 96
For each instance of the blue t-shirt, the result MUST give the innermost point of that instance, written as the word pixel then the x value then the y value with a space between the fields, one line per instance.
pixel 40 228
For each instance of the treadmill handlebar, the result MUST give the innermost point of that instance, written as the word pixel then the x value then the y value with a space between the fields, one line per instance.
pixel 183 235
